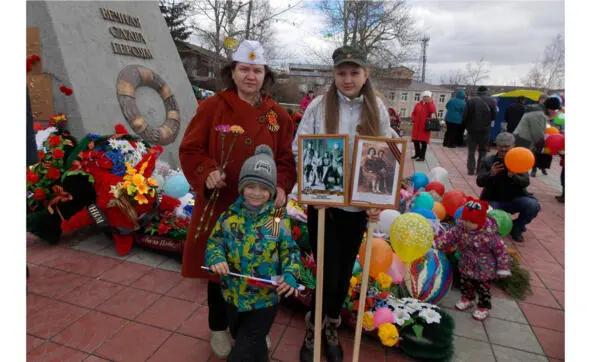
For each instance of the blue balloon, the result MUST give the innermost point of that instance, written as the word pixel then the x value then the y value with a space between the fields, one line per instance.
pixel 424 200
pixel 419 180
pixel 458 214
pixel 176 186
pixel 429 214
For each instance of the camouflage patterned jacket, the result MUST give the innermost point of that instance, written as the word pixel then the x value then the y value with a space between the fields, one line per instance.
pixel 246 241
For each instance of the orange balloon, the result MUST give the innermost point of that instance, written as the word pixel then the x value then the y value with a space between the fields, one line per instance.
pixel 519 160
pixel 552 130
pixel 439 210
pixel 381 257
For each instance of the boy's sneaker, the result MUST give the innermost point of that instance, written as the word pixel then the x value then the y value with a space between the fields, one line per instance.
pixel 464 304
pixel 480 314
pixel 268 340
pixel 220 343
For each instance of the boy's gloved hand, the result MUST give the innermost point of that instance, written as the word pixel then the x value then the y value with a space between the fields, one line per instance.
pixel 221 268
pixel 285 289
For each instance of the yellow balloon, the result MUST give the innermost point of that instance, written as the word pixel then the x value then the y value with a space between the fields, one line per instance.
pixel 411 236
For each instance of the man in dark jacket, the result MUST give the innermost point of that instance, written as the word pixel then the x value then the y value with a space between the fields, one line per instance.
pixel 480 112
pixel 506 190
pixel 514 113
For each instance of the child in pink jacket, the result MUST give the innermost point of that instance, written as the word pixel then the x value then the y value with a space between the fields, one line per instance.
pixel 483 256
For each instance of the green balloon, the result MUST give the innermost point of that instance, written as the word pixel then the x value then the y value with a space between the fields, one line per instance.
pixel 559 119
pixel 503 220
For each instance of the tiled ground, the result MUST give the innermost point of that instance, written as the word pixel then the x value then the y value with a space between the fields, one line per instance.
pixel 86 303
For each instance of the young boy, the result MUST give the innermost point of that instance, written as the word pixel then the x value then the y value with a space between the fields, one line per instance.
pixel 249 238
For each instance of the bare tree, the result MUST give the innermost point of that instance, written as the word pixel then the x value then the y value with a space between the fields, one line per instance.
pixel 454 77
pixel 476 72
pixel 382 29
pixel 548 73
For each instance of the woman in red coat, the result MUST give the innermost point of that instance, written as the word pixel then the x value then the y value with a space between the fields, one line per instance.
pixel 244 103
pixel 423 111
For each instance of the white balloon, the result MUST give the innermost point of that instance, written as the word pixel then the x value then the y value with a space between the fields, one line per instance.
pixel 159 179
pixel 438 174
pixel 387 217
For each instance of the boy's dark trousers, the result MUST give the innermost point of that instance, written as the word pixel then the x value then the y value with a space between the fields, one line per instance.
pixel 469 288
pixel 343 233
pixel 250 330
pixel 218 318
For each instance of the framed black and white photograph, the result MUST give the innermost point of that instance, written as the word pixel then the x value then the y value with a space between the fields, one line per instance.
pixel 322 169
pixel 377 172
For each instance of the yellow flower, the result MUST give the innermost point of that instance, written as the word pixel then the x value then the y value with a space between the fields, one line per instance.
pixel 368 321
pixel 138 180
pixel 129 170
pixel 143 168
pixel 384 281
pixel 236 129
pixel 152 182
pixel 353 282
pixel 131 190
pixel 152 192
pixel 388 334
pixel 141 199
pixel 142 189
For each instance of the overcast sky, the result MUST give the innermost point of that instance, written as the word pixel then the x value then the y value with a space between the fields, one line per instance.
pixel 509 35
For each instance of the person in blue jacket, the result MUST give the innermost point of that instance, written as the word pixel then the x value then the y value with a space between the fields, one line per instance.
pixel 453 120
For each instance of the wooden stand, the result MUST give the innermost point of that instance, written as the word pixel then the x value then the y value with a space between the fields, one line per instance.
pixel 363 294
pixel 319 286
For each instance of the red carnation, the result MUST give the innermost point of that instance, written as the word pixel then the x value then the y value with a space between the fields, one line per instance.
pixel 34 58
pixel 39 194
pixel 55 140
pixel 105 163
pixel 163 229
pixel 157 150
pixel 29 68
pixel 53 173
pixel 32 177
pixel 58 154
pixel 41 155
pixel 120 129
pixel 65 90
pixel 38 126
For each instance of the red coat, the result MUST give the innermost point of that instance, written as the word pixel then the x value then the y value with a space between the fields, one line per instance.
pixel 419 118
pixel 200 152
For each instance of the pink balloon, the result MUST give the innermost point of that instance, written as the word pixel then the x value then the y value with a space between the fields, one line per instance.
pixel 381 316
pixel 397 270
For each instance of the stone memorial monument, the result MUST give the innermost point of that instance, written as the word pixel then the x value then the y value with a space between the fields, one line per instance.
pixel 121 62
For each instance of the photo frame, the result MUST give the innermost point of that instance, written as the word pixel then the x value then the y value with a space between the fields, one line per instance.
pixel 323 170
pixel 376 177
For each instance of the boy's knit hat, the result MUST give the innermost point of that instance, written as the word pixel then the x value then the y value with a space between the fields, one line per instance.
pixel 475 211
pixel 260 168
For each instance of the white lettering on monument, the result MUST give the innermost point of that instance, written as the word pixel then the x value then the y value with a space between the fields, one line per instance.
pixel 125 34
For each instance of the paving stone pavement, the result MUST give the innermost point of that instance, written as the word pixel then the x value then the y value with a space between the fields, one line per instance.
pixel 85 302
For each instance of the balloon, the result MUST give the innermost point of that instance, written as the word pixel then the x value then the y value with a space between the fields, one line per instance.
pixel 552 130
pixel 387 217
pixel 438 174
pixel 381 257
pixel 429 214
pixel 411 236
pixel 439 210
pixel 503 220
pixel 435 186
pixel 381 316
pixel 519 160
pixel 176 186
pixel 458 213
pixel 555 143
pixel 419 180
pixel 452 200
pixel 429 278
pixel 423 199
pixel 397 270
pixel 159 180
pixel 559 119
pixel 357 267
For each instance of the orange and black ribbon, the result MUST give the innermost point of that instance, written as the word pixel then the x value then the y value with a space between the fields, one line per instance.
pixel 275 221
pixel 60 196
